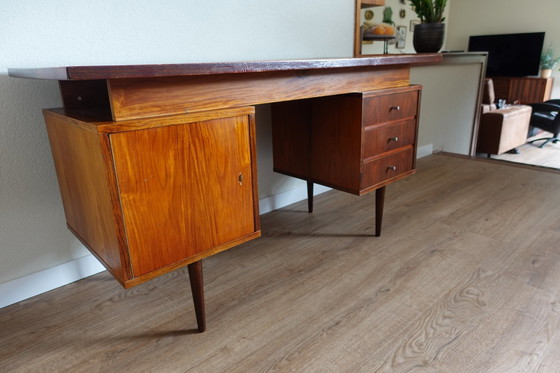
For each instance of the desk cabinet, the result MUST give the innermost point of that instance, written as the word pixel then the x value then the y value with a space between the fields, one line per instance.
pixel 156 163
pixel 355 143
pixel 147 196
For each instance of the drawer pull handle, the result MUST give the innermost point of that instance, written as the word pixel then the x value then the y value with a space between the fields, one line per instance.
pixel 395 139
pixel 396 108
pixel 240 179
pixel 392 168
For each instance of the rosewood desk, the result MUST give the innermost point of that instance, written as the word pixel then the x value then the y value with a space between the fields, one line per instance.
pixel 156 163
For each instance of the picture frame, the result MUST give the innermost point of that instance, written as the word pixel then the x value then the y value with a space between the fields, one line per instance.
pixel 413 23
pixel 402 39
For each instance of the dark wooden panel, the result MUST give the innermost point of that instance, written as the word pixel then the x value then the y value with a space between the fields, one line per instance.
pixel 291 137
pixel 85 95
pixel 336 148
pixel 522 90
pixel 501 88
pixel 529 90
pixel 320 140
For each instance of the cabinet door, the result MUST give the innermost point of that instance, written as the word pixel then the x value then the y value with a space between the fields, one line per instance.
pixel 185 189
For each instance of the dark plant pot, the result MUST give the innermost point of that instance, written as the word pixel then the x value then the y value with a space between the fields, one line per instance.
pixel 428 37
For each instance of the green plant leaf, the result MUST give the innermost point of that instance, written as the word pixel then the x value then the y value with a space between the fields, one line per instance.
pixel 429 11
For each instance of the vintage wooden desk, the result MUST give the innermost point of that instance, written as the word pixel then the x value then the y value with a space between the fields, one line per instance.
pixel 156 163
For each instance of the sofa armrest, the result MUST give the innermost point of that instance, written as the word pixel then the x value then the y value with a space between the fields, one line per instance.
pixel 503 129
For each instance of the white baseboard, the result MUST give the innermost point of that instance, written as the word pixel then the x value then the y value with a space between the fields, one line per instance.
pixel 424 151
pixel 40 282
pixel 280 200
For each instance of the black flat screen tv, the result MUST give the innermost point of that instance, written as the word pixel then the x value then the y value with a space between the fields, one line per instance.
pixel 510 55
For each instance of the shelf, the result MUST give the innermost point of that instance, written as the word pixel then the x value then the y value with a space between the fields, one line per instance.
pixel 378 37
pixel 371 3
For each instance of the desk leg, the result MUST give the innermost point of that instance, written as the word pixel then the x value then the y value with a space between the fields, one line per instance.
pixel 379 203
pixel 197 288
pixel 309 196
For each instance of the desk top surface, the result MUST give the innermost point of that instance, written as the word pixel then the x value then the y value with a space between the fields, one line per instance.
pixel 215 68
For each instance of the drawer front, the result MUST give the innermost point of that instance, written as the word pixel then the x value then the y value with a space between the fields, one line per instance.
pixel 390 107
pixel 380 139
pixel 387 167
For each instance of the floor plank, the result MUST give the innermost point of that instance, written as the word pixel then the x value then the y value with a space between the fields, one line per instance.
pixel 464 278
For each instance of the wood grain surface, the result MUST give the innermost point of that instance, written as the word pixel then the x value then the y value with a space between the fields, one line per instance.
pixel 140 98
pixel 88 191
pixel 523 90
pixel 184 189
pixel 465 278
pixel 213 68
pixel 153 195
pixel 354 142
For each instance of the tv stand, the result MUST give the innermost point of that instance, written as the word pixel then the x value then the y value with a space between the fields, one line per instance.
pixel 526 90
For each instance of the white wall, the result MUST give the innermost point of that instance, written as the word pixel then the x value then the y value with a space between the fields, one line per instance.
pixel 450 101
pixel 480 17
pixel 36 33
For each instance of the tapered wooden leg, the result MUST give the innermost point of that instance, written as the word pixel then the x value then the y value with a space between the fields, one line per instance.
pixel 310 196
pixel 379 203
pixel 197 288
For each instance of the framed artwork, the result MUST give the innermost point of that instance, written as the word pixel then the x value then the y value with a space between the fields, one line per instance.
pixel 413 23
pixel 402 37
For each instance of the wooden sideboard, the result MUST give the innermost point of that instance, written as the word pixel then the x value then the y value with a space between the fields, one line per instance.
pixel 157 165
pixel 523 90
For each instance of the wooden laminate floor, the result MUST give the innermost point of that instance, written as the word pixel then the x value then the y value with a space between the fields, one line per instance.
pixel 465 278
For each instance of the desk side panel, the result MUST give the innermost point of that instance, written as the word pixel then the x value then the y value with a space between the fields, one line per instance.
pixel 292 138
pixel 85 187
pixel 336 148
pixel 140 98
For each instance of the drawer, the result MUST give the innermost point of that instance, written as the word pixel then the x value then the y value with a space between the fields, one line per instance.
pixel 391 107
pixel 380 139
pixel 387 167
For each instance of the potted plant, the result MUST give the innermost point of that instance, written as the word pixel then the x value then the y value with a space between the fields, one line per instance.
pixel 429 34
pixel 548 61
